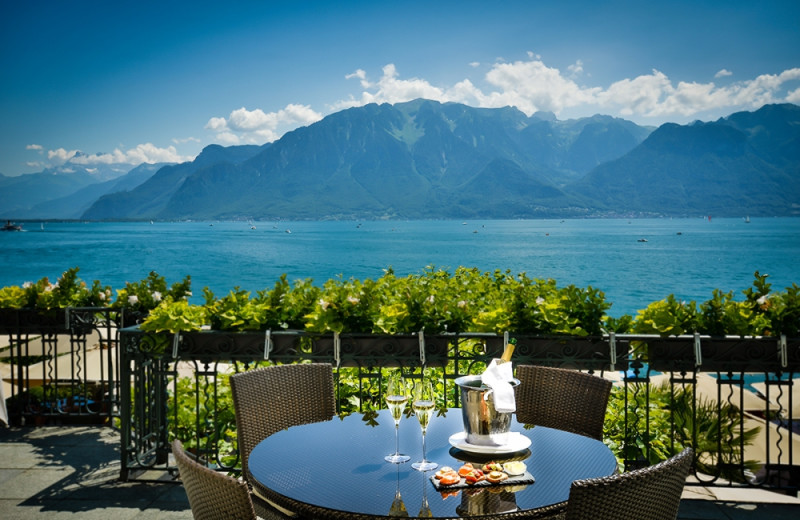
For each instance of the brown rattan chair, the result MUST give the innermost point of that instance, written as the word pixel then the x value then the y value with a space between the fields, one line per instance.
pixel 212 495
pixel 652 493
pixel 270 399
pixel 565 399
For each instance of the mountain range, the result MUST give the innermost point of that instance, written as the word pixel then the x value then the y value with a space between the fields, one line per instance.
pixel 425 159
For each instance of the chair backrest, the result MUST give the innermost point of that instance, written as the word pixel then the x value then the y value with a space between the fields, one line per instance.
pixel 565 399
pixel 212 495
pixel 652 493
pixel 270 399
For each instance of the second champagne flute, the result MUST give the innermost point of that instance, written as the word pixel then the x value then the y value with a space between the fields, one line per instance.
pixel 423 404
pixel 396 398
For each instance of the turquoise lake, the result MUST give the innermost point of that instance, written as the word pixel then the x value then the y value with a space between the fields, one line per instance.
pixel 633 261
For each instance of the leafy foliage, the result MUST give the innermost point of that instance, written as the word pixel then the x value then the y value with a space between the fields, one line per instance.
pixel 68 291
pixel 435 301
pixel 761 313
pixel 175 316
pixel 673 418
pixel 205 428
pixel 148 293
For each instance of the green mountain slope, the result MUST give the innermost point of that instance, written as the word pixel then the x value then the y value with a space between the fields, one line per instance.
pixel 746 164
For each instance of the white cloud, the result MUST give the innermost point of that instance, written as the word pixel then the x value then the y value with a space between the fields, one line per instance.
pixel 143 153
pixel 576 68
pixel 257 126
pixel 390 89
pixel 185 140
pixel 60 155
pixel 531 85
pixel 216 123
pixel 36 147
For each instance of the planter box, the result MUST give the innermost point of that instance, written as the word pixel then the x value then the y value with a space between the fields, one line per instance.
pixel 213 345
pixel 584 353
pixel 375 349
pixel 721 354
pixel 52 321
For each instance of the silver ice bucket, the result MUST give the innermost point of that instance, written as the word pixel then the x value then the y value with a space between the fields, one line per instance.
pixel 483 425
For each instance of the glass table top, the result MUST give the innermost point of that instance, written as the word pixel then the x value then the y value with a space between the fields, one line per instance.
pixel 339 465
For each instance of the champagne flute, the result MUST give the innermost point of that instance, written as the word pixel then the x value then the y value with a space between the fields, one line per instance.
pixel 396 398
pixel 423 405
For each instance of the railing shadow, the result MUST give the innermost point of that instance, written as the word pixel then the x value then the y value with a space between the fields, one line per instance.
pixel 78 471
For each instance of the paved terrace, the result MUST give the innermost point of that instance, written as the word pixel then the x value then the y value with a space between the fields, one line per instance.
pixel 72 472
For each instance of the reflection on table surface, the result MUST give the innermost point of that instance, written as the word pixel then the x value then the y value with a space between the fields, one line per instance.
pixel 339 464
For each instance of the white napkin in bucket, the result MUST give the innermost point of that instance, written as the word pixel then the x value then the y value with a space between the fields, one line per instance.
pixel 498 377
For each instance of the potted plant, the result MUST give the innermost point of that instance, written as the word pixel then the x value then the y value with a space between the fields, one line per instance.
pixel 43 307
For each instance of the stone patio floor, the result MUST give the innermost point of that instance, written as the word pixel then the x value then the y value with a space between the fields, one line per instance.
pixel 62 472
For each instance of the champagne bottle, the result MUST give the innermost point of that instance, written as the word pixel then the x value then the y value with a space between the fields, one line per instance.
pixel 507 352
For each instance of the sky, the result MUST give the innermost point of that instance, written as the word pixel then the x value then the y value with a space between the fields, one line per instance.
pixel 121 83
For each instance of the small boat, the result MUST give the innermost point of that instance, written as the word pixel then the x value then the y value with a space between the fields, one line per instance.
pixel 11 227
pixel 289 231
pixel 747 219
pixel 642 240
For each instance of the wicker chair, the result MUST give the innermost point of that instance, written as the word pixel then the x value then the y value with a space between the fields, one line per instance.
pixel 212 495
pixel 564 399
pixel 652 493
pixel 270 399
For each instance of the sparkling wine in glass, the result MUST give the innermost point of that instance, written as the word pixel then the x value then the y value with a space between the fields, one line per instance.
pixel 423 404
pixel 396 399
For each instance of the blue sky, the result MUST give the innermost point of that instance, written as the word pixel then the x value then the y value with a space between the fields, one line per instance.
pixel 131 82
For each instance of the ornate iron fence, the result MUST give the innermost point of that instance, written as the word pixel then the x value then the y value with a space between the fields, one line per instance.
pixel 176 386
pixel 61 365
pixel 76 365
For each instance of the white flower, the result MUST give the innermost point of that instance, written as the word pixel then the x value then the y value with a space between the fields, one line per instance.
pixel 50 287
pixel 430 299
pixel 763 300
pixel 324 304
pixel 352 299
pixel 462 304
pixel 102 296
pixel 539 300
pixel 27 285
pixel 156 296
pixel 133 299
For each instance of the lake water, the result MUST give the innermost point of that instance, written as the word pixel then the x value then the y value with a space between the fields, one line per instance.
pixel 685 257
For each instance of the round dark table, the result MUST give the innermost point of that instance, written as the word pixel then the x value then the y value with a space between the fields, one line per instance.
pixel 338 466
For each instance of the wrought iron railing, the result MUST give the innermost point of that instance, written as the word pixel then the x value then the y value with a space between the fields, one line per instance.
pixel 76 365
pixel 61 365
pixel 198 407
